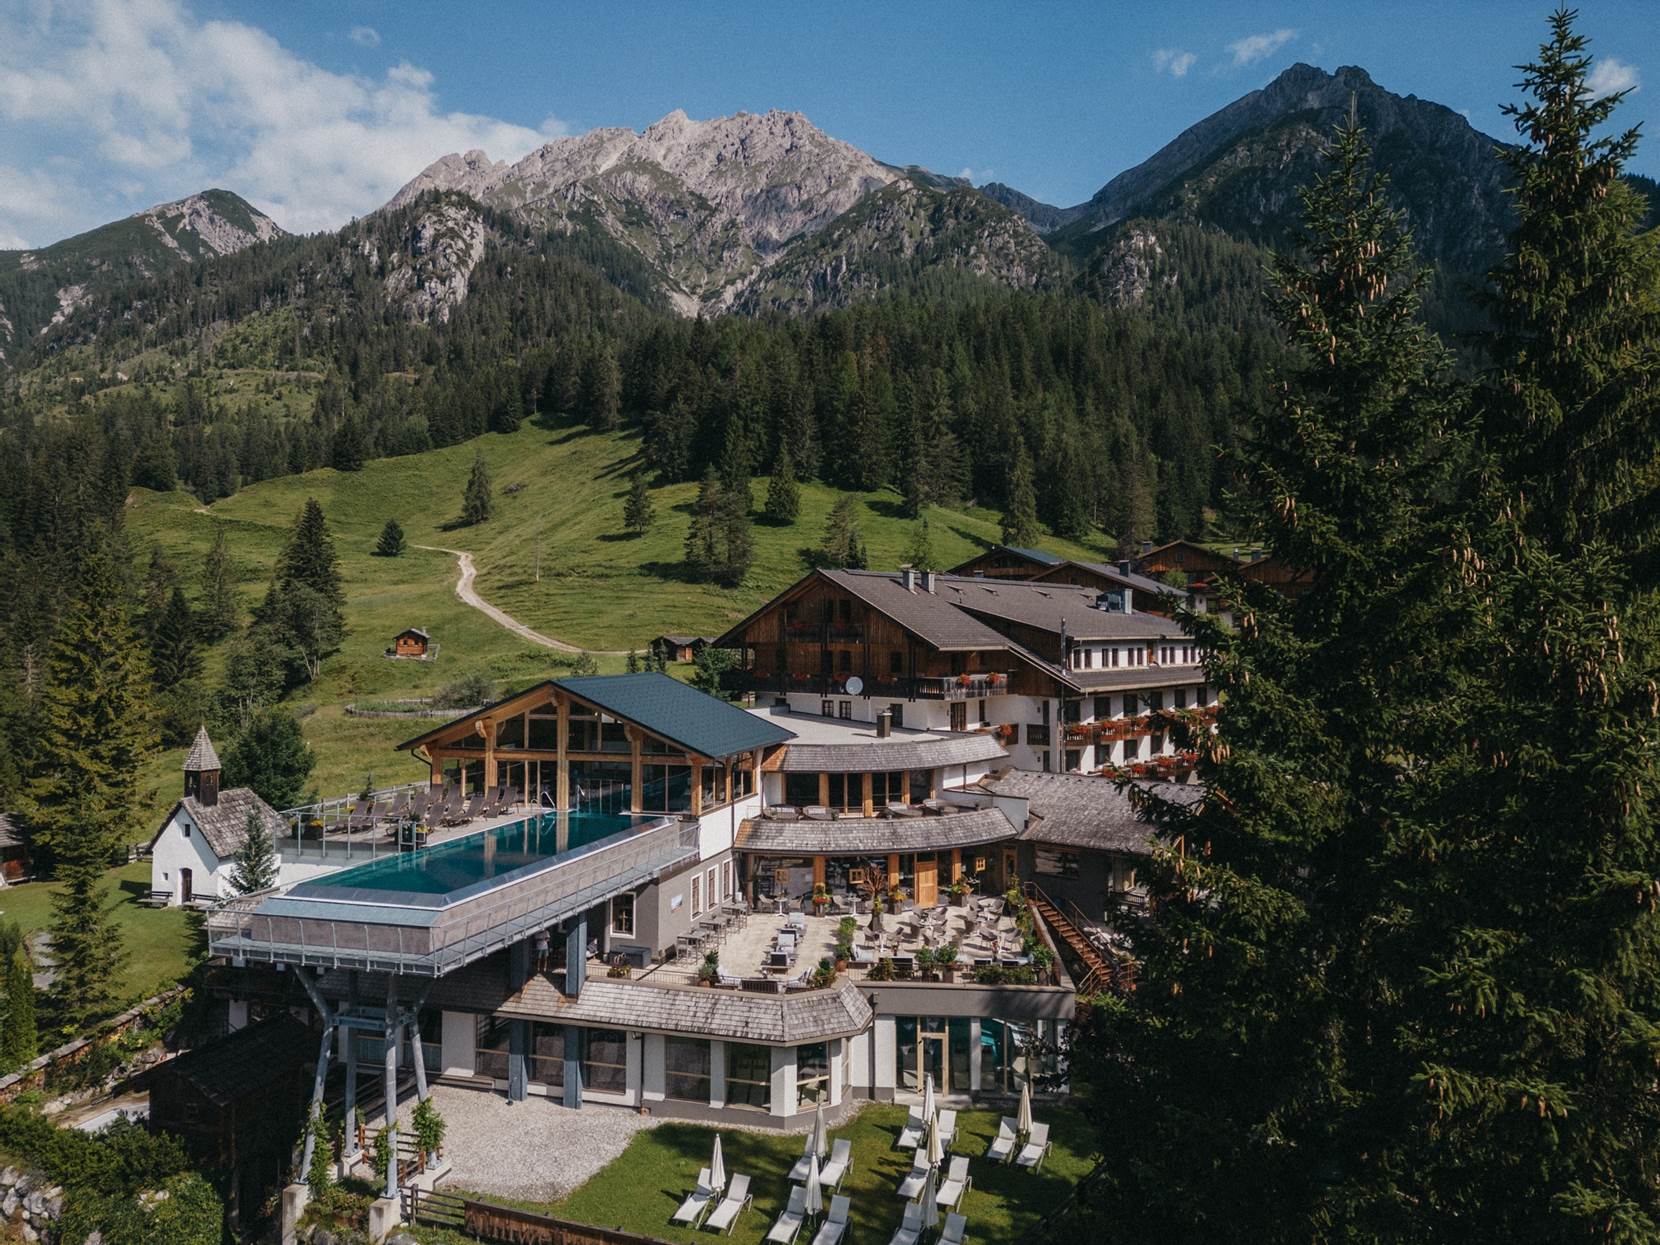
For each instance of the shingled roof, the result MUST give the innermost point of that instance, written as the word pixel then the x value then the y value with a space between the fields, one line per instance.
pixel 860 836
pixel 1046 606
pixel 1080 810
pixel 769 1019
pixel 893 753
pixel 201 755
pixel 10 833
pixel 225 825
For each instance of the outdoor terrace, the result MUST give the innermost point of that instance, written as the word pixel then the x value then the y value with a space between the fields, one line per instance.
pixel 773 950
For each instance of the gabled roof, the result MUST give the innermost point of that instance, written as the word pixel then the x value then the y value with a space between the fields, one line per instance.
pixel 247 1064
pixel 1046 606
pixel 420 631
pixel 1040 557
pixel 1081 810
pixel 1112 573
pixel 926 615
pixel 201 755
pixel 225 824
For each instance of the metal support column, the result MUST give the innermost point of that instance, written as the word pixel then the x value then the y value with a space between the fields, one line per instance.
pixel 324 1048
pixel 518 1031
pixel 392 1025
pixel 348 1151
pixel 576 955
pixel 575 1040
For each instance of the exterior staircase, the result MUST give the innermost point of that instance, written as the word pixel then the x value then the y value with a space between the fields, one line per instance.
pixel 1101 971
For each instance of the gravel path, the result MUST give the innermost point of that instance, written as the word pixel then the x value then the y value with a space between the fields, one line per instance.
pixel 468 594
pixel 533 1150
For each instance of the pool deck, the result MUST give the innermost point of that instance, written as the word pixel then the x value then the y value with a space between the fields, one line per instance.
pixel 344 848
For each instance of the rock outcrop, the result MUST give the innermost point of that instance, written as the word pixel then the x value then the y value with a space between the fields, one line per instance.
pixel 30 1205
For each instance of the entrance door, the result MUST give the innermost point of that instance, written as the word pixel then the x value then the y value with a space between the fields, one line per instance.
pixel 185 893
pixel 927 881
pixel 959 715
pixel 931 1051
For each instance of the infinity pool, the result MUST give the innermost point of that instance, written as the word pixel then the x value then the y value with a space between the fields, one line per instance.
pixel 473 862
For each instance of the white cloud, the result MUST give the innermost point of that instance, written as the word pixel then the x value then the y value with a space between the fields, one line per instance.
pixel 142 91
pixel 1254 47
pixel 1609 75
pixel 974 175
pixel 364 36
pixel 1173 61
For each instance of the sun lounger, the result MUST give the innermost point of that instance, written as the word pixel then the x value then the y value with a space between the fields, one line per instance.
pixel 841 1158
pixel 1001 1149
pixel 362 816
pixel 789 1223
pixel 1036 1147
pixel 916 1128
pixel 697 1202
pixel 418 803
pixel 955 1230
pixel 911 1186
pixel 394 810
pixel 957 1182
pixel 509 799
pixel 798 1173
pixel 947 1127
pixel 475 806
pixel 910 1228
pixel 735 1201
pixel 818 812
pixel 834 1227
pixel 863 955
pixel 780 959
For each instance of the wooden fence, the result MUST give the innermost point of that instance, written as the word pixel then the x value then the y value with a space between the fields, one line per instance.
pixel 491 1221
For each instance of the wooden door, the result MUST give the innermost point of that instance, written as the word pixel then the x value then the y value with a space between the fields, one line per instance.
pixel 927 881
pixel 185 895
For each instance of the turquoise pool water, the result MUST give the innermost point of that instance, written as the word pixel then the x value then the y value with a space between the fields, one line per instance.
pixel 472 861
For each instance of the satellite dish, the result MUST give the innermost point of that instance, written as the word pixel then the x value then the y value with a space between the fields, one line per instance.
pixel 855 685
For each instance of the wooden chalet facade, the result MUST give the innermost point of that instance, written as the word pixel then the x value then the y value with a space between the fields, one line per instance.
pixel 410 642
pixel 1009 562
pixel 1186 557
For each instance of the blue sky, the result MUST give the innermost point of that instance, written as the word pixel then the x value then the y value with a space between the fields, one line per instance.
pixel 318 111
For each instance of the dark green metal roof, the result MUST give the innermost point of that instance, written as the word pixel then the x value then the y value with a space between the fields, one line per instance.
pixel 677 712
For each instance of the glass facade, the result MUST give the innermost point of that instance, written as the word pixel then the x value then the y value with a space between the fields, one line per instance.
pixel 490 1047
pixel 547 1054
pixel 686 1069
pixel 748 1076
pixel 812 1075
pixel 605 1067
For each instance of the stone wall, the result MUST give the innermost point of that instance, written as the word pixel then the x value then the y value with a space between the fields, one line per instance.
pixel 29 1205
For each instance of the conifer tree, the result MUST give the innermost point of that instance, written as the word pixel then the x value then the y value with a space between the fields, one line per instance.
pixel 217 616
pixel 1020 521
pixel 703 535
pixel 1269 1074
pixel 843 545
pixel 920 552
pixel 309 558
pixel 349 448
pixel 783 502
pixel 602 388
pixel 737 543
pixel 19 1037
pixel 256 859
pixel 174 658
pixel 391 543
pixel 478 499
pixel 270 755
pixel 634 661
pixel 637 509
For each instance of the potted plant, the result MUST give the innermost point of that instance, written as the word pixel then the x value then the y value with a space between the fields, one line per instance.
pixel 1043 960
pixel 824 975
pixel 945 959
pixel 708 972
pixel 846 928
pixel 821 898
pixel 883 970
pixel 925 964
pixel 429 1131
pixel 959 890
pixel 877 906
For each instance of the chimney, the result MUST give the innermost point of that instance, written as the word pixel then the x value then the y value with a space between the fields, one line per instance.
pixel 927 581
pixel 884 724
pixel 907 579
pixel 1126 567
pixel 1146 547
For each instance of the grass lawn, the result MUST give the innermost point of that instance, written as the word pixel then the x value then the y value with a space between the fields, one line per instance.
pixel 161 943
pixel 555 556
pixel 641 1189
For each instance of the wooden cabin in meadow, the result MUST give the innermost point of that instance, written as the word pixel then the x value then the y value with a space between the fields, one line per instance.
pixel 678 647
pixel 14 849
pixel 410 642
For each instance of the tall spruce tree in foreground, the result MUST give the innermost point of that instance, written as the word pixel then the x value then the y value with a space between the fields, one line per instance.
pixel 98 732
pixel 256 859
pixel 783 502
pixel 1259 1084
pixel 478 499
pixel 1541 1058
pixel 843 546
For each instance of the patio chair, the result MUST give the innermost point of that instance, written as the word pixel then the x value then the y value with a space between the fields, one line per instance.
pixel 733 1203
pixel 362 816
pixel 911 1186
pixel 798 1173
pixel 957 1182
pixel 474 807
pixel 1036 1148
pixel 789 1223
pixel 447 812
pixel 909 1231
pixel 697 1202
pixel 834 1227
pixel 784 812
pixel 955 1230
pixel 1001 1149
pixel 800 981
pixel 916 1128
pixel 863 955
pixel 396 809
pixel 418 803
pixel 947 1127
pixel 841 1158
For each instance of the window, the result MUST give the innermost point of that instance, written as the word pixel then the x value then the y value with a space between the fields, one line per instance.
pixel 1073 759
pixel 1103 707
pixel 896 662
pixel 812 1074
pixel 1129 705
pixel 490 1047
pixel 1155 701
pixel 605 1070
pixel 983 718
pixel 686 1069
pixel 845 709
pixel 1037 736
pixel 1113 653
pixel 748 1076
pixel 622 915
pixel 697 893
pixel 957 712
pixel 709 885
pixel 547 1053
pixel 1132 750
pixel 726 879
pixel 905 1054
pixel 827 708
pixel 1055 864
pixel 544 734
pixel 897 712
pixel 1201 698
pixel 1181 698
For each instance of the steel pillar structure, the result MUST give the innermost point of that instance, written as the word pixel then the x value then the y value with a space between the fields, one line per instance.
pixel 324 1048
pixel 575 1040
pixel 576 954
pixel 349 1150
pixel 394 1020
pixel 518 1031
